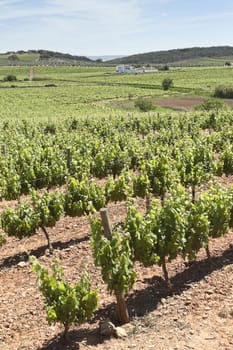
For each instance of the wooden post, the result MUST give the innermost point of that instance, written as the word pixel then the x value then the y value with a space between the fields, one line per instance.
pixel 148 202
pixel 106 223
pixel 193 193
pixel 3 149
pixel 122 310
pixel 69 158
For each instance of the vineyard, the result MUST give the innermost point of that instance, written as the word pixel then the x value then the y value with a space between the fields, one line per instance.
pixel 164 177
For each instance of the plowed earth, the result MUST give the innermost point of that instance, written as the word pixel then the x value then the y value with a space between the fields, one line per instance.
pixel 177 103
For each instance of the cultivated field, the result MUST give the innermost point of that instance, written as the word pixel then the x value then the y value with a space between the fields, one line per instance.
pixel 73 141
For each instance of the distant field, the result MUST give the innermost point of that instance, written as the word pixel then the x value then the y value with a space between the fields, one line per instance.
pixel 200 78
pixel 72 91
pixel 22 59
pixel 206 61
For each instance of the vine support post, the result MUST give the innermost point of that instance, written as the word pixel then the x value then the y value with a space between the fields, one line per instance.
pixel 68 158
pixel 4 150
pixel 122 310
pixel 106 223
pixel 193 193
pixel 148 202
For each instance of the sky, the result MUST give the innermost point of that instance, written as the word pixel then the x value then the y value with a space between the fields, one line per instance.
pixel 114 27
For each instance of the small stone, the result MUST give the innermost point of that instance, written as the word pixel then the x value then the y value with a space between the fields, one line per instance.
pixel 120 332
pixel 210 337
pixel 21 264
pixel 207 308
pixel 209 291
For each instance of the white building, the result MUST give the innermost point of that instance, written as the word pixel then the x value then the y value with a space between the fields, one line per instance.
pixel 123 68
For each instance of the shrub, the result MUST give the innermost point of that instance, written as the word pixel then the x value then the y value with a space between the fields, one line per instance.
pixel 64 302
pixel 144 105
pixel 210 104
pixel 167 83
pixel 130 96
pixel 223 91
pixel 164 68
pixel 73 124
pixel 10 77
pixel 13 57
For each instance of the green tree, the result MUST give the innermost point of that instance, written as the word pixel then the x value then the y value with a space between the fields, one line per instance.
pixel 167 83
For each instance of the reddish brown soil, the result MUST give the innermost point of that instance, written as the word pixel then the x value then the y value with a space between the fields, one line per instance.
pixel 180 103
pixel 197 315
pixel 184 103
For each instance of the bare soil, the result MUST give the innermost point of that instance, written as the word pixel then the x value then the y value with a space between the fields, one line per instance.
pixel 198 314
pixel 178 103
pixel 183 103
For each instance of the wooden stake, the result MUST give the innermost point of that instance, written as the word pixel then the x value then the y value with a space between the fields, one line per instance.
pixel 69 158
pixel 122 310
pixel 193 193
pixel 106 223
pixel 148 202
pixel 4 150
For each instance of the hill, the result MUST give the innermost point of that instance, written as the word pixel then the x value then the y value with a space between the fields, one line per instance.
pixel 215 55
pixel 42 57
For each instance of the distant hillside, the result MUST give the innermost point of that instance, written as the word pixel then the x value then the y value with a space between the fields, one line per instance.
pixel 45 57
pixel 188 56
pixel 105 57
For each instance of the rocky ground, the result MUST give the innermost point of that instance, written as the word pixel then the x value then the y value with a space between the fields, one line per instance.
pixel 198 314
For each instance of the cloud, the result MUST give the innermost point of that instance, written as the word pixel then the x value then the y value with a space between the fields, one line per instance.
pixel 93 27
pixel 99 26
pixel 18 9
pixel 119 17
pixel 209 17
